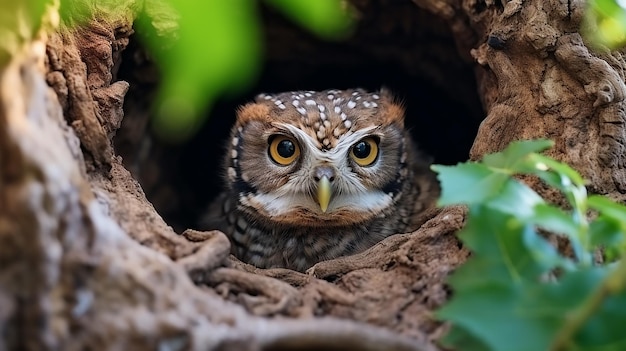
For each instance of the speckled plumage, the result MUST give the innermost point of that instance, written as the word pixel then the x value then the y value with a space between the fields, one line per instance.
pixel 271 212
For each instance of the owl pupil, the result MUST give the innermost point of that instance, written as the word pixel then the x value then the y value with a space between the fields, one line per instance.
pixel 362 149
pixel 286 148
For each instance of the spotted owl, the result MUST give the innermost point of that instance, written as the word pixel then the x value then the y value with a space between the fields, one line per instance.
pixel 316 175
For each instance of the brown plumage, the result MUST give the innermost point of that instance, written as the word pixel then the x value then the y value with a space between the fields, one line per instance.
pixel 316 175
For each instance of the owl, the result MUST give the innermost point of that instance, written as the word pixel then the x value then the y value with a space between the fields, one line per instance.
pixel 315 175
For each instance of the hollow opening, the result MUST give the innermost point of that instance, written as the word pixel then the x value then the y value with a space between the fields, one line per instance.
pixel 396 45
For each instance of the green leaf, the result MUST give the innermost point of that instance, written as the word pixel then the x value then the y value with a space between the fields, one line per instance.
pixel 468 183
pixel 459 336
pixel 473 183
pixel 565 174
pixel 516 292
pixel 504 250
pixel 605 23
pixel 513 157
pixel 327 18
pixel 501 300
pixel 490 314
pixel 554 219
pixel 517 199
pixel 608 208
pixel 216 50
pixel 592 315
pixel 607 232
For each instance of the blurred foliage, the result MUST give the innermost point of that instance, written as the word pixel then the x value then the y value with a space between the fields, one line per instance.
pixel 213 47
pixel 218 50
pixel 19 21
pixel 605 22
pixel 517 292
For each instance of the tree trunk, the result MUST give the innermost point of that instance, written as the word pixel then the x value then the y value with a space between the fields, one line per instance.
pixel 87 262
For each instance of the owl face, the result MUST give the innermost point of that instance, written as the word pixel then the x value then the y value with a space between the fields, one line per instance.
pixel 318 158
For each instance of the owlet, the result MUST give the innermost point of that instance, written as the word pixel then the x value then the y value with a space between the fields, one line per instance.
pixel 316 175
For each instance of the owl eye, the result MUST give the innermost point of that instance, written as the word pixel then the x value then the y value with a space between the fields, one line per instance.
pixel 283 150
pixel 364 152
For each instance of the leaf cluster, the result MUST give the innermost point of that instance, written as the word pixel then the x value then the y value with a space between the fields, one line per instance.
pixel 517 292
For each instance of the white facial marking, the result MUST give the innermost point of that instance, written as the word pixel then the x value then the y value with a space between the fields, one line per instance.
pixel 277 204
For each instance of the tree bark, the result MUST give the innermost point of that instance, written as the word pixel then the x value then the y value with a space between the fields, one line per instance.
pixel 87 262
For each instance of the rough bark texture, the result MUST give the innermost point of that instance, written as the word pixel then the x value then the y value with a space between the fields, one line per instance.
pixel 87 263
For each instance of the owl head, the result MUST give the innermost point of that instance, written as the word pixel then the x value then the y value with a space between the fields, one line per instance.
pixel 318 158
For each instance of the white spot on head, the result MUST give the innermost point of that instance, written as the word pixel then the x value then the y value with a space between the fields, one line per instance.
pixel 343 116
pixel 327 124
pixel 310 102
pixel 326 142
pixel 331 96
pixel 267 97
pixel 323 116
pixel 295 103
pixel 235 141
pixel 374 104
pixel 355 93
pixel 240 129
pixel 367 104
pixel 320 133
pixel 322 108
pixel 282 106
pixel 347 123
pixel 336 132
pixel 316 125
pixel 351 104
pixel 337 109
pixel 376 97
pixel 307 94
pixel 277 102
pixel 233 153
pixel 301 110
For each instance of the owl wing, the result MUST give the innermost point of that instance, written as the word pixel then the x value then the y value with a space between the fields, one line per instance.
pixel 216 215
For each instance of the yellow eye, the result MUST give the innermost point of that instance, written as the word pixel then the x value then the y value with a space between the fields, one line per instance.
pixel 364 152
pixel 283 150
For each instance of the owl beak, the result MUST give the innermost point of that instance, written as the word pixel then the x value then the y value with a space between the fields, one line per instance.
pixel 323 193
